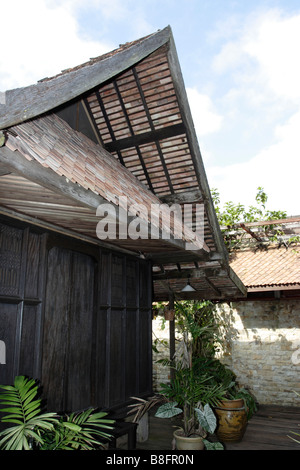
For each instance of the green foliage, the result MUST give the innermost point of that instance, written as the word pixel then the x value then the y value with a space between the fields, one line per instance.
pixel 246 395
pixel 189 387
pixel 236 213
pixel 213 445
pixel 220 375
pixel 46 431
pixel 78 431
pixel 168 410
pixel 206 418
pixel 196 319
pixel 24 410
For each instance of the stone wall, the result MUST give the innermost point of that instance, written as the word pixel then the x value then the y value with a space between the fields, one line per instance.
pixel 261 346
pixel 161 335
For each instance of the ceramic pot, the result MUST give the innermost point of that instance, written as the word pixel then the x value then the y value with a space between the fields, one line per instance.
pixel 231 424
pixel 187 443
pixel 232 404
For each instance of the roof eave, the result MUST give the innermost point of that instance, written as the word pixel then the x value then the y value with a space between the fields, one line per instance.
pixel 29 102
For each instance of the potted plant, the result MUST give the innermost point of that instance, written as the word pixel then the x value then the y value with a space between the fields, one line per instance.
pixel 236 407
pixel 35 430
pixel 191 396
pixel 190 393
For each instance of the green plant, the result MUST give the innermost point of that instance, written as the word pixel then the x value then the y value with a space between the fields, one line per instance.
pixel 24 410
pixel 190 396
pixel 232 214
pixel 46 431
pixel 196 322
pixel 220 375
pixel 246 395
pixel 205 417
pixel 78 431
pixel 191 393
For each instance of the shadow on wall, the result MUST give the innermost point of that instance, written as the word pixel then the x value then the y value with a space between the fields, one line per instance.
pixel 262 347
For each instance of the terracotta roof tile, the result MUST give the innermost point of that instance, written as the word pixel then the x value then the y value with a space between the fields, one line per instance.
pixel 269 267
pixel 53 143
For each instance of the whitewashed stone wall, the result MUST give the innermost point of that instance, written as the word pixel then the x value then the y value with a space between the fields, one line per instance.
pixel 261 346
pixel 160 328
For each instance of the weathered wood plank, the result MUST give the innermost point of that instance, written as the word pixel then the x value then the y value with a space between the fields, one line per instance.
pixel 259 434
pixel 145 138
pixel 25 103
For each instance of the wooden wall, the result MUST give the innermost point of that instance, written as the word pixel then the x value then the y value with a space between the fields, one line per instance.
pixel 76 317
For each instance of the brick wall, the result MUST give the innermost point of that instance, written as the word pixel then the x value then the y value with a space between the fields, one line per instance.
pixel 261 346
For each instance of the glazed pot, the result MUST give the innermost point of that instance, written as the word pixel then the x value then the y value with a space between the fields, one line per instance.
pixel 231 424
pixel 232 404
pixel 187 443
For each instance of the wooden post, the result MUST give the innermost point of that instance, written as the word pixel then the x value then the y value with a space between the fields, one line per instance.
pixel 171 334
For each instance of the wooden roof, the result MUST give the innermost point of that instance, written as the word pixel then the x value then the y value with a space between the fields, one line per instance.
pixel 118 125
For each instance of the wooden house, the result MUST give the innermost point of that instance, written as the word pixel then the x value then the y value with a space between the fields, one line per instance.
pixel 75 309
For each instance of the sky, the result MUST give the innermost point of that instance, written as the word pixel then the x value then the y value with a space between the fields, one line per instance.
pixel 240 64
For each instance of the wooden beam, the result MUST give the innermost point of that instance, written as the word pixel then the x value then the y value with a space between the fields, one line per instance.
pixel 174 257
pixel 172 335
pixel 63 231
pixel 145 138
pixel 34 171
pixel 213 287
pixel 186 197
pixel 253 235
pixel 193 273
pixel 261 223
pixel 46 177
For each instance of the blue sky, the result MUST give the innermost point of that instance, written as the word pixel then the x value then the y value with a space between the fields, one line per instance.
pixel 240 63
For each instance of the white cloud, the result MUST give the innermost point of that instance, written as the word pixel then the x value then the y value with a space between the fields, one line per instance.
pixel 42 38
pixel 205 117
pixel 263 55
pixel 276 169
pixel 262 75
pixel 274 45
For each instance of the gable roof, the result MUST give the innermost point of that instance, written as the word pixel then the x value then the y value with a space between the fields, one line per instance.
pixel 119 124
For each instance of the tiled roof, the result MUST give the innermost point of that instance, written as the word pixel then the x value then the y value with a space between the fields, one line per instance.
pixel 272 267
pixel 123 127
pixel 54 144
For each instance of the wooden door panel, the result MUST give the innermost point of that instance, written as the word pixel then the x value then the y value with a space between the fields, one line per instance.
pixel 55 327
pixel 80 348
pixel 8 329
